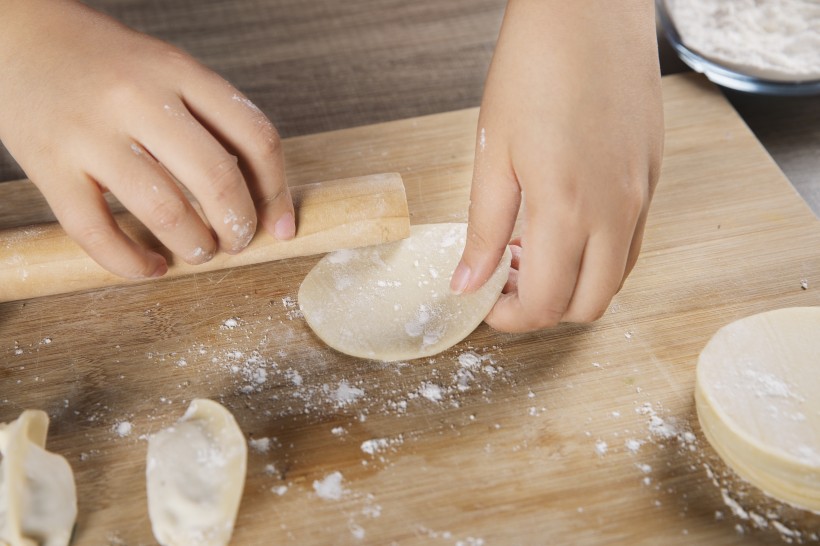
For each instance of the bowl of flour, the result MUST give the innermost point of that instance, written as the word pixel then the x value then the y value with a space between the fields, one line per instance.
pixel 758 46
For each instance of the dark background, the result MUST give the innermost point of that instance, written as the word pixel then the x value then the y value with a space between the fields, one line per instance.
pixel 319 65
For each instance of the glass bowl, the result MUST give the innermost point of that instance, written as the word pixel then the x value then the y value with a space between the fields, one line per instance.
pixel 726 76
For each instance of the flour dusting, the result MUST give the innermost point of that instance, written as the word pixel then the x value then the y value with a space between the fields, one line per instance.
pixel 260 445
pixel 123 429
pixel 330 487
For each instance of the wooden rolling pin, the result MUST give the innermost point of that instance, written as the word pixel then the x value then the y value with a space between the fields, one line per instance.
pixel 42 260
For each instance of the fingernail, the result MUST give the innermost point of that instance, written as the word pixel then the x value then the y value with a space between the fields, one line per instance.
pixel 285 227
pixel 460 279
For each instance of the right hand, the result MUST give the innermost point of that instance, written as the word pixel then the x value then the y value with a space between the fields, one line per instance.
pixel 88 105
pixel 571 124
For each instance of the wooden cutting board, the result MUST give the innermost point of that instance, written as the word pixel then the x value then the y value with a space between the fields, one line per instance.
pixel 577 435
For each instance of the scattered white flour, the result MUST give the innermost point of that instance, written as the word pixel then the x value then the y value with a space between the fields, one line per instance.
pixel 470 361
pixel 251 369
pixel 773 39
pixel 292 308
pixel 356 530
pixel 633 445
pixel 657 426
pixel 294 377
pixel 430 391
pixel 346 394
pixel 470 541
pixel 371 447
pixel 260 445
pixel 123 429
pixel 601 448
pixel 231 323
pixel 379 445
pixel 280 489
pixel 372 510
pixel 786 531
pixel 330 488
pixel 733 505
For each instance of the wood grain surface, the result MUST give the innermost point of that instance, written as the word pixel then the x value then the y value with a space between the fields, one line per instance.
pixel 575 435
pixel 320 65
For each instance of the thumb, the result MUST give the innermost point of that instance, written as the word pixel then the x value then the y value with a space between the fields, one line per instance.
pixel 494 200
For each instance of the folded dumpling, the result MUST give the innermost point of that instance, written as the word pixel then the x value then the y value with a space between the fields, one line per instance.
pixel 195 475
pixel 38 498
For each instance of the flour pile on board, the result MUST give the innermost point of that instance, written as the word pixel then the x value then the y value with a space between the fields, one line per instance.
pixel 123 429
pixel 260 445
pixel 377 447
pixel 330 487
pixel 658 427
pixel 346 394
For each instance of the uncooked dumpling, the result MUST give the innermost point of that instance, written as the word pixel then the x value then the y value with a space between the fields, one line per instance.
pixel 195 475
pixel 757 399
pixel 393 301
pixel 38 499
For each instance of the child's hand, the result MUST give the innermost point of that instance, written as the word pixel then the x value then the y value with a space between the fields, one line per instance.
pixel 87 105
pixel 572 124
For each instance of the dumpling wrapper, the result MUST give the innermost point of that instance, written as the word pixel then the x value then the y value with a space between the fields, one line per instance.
pixel 195 475
pixel 758 405
pixel 393 301
pixel 38 497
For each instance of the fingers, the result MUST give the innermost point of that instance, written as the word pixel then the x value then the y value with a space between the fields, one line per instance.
pixel 512 279
pixel 600 278
pixel 248 133
pixel 562 275
pixel 149 192
pixel 196 148
pixel 494 200
pixel 198 160
pixel 85 216
pixel 552 250
pixel 634 248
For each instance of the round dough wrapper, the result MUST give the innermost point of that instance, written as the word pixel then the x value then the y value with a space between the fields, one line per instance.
pixel 393 301
pixel 757 400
